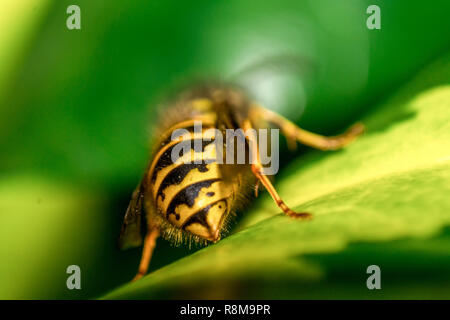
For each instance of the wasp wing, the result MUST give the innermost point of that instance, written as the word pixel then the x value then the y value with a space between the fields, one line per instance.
pixel 130 234
pixel 279 64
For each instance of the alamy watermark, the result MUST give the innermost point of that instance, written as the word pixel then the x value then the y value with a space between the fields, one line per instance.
pixel 249 147
pixel 374 280
pixel 74 280
pixel 74 20
pixel 374 20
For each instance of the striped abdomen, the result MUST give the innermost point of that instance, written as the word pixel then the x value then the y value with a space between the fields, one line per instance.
pixel 191 192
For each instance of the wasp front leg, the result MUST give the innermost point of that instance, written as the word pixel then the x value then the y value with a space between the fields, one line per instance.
pixel 147 252
pixel 258 169
pixel 296 134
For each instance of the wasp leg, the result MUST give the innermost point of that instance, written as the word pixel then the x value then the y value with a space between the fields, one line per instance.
pixel 257 170
pixel 294 133
pixel 147 251
pixel 257 188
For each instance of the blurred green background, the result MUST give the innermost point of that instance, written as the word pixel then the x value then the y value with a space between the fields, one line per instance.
pixel 77 106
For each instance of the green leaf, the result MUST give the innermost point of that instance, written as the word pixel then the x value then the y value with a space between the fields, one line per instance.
pixel 38 240
pixel 22 19
pixel 384 200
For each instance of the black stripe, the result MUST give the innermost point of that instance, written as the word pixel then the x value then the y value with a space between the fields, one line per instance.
pixel 165 159
pixel 200 216
pixel 188 196
pixel 177 175
pixel 234 122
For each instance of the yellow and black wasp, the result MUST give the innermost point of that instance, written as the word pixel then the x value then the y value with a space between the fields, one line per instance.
pixel 186 202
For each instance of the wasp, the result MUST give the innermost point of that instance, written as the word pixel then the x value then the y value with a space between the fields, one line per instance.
pixel 194 202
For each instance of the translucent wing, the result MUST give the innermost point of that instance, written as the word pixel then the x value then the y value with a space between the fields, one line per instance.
pixel 279 82
pixel 130 235
pixel 277 64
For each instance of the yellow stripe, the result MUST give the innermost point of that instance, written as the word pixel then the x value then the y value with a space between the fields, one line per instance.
pixel 214 216
pixel 222 190
pixel 207 120
pixel 192 177
pixel 202 104
pixel 208 155
pixel 189 136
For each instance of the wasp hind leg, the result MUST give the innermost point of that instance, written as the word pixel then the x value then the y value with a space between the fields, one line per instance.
pixel 147 251
pixel 296 134
pixel 257 170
